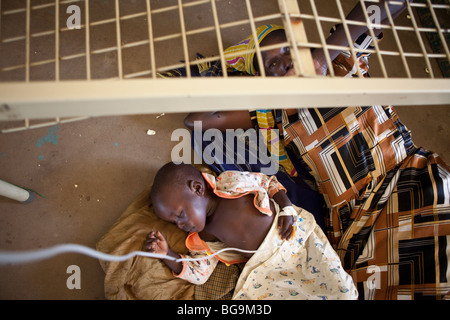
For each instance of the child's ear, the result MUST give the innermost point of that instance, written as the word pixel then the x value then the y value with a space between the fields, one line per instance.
pixel 197 187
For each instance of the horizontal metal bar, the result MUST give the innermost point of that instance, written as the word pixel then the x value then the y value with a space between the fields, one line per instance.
pixel 37 100
pixel 27 126
pixel 361 23
pixel 230 24
pixel 190 4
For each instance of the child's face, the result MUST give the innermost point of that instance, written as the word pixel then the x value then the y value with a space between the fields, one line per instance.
pixel 184 208
pixel 277 62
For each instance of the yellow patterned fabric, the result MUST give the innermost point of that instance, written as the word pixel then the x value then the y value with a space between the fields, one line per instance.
pixel 240 56
pixel 266 124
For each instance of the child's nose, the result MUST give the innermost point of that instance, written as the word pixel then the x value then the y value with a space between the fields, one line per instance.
pixel 180 225
pixel 183 227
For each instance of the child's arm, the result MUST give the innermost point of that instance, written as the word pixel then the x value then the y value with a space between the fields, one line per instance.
pixel 285 222
pixel 196 272
pixel 287 214
pixel 156 243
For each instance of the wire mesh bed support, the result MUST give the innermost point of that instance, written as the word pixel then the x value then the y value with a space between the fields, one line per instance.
pixel 26 93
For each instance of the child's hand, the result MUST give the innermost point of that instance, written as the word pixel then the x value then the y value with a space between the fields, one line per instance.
pixel 285 224
pixel 156 243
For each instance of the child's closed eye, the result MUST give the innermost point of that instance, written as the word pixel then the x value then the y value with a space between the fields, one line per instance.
pixel 180 215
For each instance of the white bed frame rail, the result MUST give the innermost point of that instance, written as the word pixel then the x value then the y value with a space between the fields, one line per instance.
pixel 126 94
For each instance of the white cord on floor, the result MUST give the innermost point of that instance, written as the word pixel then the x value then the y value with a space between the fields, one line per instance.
pixel 17 257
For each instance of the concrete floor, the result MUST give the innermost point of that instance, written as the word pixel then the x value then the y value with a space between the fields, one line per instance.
pixel 90 171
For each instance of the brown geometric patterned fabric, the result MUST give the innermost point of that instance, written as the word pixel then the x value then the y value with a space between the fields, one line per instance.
pixel 401 224
pixel 389 201
pixel 346 148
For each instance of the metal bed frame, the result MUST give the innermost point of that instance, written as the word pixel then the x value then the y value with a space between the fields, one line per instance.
pixel 143 92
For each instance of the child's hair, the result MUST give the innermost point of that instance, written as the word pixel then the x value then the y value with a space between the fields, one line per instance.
pixel 174 176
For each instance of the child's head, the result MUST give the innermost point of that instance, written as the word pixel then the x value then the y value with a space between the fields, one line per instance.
pixel 179 196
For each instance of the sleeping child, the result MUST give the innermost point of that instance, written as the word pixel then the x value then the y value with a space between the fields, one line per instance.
pixel 287 255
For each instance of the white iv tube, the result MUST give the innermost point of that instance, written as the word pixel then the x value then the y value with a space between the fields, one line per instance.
pixel 18 257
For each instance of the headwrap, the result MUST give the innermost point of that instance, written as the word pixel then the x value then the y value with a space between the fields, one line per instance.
pixel 243 61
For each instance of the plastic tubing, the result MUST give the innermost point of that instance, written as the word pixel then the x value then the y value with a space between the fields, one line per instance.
pixel 18 257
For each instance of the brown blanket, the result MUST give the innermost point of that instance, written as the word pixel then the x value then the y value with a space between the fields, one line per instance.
pixel 141 277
